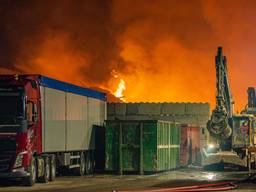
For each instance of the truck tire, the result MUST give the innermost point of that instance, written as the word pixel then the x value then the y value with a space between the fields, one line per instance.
pixel 52 168
pixel 30 181
pixel 93 162
pixel 46 175
pixel 80 171
pixel 89 164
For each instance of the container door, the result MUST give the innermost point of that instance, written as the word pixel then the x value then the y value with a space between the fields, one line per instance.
pixel 184 145
pixel 131 146
pixel 111 146
pixel 195 135
pixel 99 147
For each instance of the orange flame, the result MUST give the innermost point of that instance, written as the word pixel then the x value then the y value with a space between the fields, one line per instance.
pixel 120 89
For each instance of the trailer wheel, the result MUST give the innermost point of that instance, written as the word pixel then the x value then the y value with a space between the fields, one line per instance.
pixel 89 164
pixel 46 175
pixel 81 169
pixel 52 168
pixel 30 181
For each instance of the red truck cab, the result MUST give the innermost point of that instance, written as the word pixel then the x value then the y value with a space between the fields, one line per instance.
pixel 20 124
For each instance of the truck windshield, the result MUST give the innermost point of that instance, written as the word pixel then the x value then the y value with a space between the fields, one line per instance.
pixel 11 107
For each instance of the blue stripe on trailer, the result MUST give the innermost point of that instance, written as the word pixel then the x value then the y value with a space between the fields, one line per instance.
pixel 63 86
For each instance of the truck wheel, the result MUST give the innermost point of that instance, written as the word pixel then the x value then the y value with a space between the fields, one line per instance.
pixel 89 164
pixel 30 181
pixel 52 168
pixel 82 164
pixel 93 162
pixel 81 169
pixel 46 176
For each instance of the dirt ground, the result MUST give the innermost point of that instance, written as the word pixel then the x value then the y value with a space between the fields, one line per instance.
pixel 104 182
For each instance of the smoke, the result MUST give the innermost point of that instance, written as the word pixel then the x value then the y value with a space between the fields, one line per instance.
pixel 163 44
pixel 169 48
pixel 70 40
pixel 232 23
pixel 163 49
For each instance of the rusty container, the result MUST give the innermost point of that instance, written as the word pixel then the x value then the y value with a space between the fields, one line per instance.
pixel 190 145
pixel 142 146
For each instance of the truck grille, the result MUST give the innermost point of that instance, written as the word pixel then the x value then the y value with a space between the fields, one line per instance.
pixel 6 160
pixel 7 145
pixel 7 154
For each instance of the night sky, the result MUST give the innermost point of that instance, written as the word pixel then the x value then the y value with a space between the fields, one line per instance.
pixel 163 49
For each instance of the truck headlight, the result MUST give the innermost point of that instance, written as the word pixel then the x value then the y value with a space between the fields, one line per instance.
pixel 19 159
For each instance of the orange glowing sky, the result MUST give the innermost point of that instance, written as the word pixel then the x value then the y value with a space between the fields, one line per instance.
pixel 163 49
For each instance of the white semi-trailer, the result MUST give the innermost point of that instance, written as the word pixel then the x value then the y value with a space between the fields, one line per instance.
pixel 47 126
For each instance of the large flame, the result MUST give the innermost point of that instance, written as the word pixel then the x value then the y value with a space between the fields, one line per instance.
pixel 120 89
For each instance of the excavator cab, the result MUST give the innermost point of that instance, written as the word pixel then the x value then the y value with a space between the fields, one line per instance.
pixel 244 129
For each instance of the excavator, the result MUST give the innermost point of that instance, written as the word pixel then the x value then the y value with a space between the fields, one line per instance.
pixel 234 134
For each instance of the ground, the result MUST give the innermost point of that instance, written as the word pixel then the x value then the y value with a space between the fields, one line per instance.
pixel 105 182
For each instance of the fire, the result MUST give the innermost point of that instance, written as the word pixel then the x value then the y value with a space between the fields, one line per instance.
pixel 120 89
pixel 147 55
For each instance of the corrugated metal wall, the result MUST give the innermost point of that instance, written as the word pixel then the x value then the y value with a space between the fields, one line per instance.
pixel 142 146
pixel 168 146
pixel 68 120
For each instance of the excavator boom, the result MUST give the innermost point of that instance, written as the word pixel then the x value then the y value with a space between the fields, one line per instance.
pixel 218 126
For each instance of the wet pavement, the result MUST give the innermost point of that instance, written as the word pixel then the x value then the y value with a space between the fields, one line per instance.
pixel 104 182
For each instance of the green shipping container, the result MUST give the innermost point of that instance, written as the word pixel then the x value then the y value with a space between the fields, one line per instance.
pixel 146 146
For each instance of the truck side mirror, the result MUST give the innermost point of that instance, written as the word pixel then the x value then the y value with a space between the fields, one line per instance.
pixel 32 114
pixel 29 112
pixel 35 113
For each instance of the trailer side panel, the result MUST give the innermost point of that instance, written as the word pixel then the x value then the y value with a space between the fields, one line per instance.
pixel 69 117
pixel 76 119
pixel 54 120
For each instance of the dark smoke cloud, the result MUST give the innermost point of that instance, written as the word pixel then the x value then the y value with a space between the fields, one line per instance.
pixel 163 49
pixel 181 19
pixel 86 24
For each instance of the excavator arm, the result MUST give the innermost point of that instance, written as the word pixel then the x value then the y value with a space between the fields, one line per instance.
pixel 219 124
